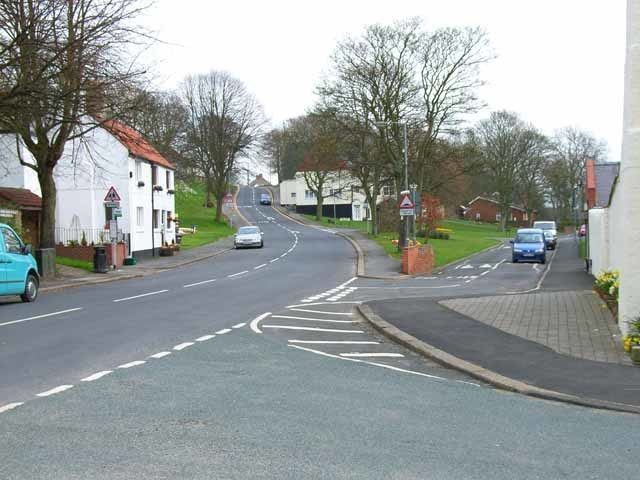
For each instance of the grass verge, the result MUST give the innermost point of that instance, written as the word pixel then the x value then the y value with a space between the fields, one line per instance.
pixel 72 262
pixel 190 199
pixel 328 222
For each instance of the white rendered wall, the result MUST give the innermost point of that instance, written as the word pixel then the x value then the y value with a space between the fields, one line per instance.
pixel 12 173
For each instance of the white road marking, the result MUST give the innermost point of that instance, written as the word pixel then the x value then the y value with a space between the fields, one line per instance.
pixel 324 354
pixel 204 338
pixel 311 329
pixel 236 274
pixel 485 272
pixel 55 390
pixel 363 355
pixel 324 303
pixel 199 283
pixel 260 266
pixel 140 296
pixel 499 263
pixel 466 267
pixel 182 346
pixel 349 281
pixel 283 255
pixel 314 319
pixel 160 354
pixel 320 311
pixel 223 331
pixel 132 364
pixel 486 265
pixel 96 376
pixel 61 312
pixel 239 325
pixel 414 288
pixel 274 260
pixel 333 342
pixel 10 406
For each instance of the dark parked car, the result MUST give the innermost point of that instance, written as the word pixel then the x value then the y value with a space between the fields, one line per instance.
pixel 529 245
pixel 265 199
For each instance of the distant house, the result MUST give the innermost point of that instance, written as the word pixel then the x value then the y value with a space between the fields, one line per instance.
pixel 21 208
pixel 110 174
pixel 600 177
pixel 259 181
pixel 487 210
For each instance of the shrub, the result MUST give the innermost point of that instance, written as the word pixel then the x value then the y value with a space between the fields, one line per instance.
pixel 83 240
pixel 445 236
pixel 634 336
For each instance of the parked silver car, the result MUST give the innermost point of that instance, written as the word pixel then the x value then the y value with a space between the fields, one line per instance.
pixel 550 233
pixel 248 237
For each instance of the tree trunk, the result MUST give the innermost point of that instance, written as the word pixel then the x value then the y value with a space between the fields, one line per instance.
pixel 207 188
pixel 319 208
pixel 48 214
pixel 219 200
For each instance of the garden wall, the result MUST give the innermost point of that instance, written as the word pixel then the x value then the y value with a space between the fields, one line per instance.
pixel 86 253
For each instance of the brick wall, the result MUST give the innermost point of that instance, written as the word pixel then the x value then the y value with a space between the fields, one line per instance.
pixel 86 253
pixel 418 259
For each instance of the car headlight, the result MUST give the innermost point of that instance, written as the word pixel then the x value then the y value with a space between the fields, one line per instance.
pixel 540 250
pixel 517 250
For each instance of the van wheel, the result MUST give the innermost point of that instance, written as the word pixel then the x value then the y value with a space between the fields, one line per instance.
pixel 30 289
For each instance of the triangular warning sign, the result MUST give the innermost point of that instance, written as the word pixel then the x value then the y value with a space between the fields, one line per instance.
pixel 112 196
pixel 406 202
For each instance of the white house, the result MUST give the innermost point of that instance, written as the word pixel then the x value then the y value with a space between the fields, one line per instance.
pixel 341 191
pixel 113 158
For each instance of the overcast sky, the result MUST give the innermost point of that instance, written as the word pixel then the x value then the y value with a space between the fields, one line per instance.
pixel 559 62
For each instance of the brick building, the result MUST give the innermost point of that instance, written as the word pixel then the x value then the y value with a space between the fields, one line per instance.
pixel 486 210
pixel 21 208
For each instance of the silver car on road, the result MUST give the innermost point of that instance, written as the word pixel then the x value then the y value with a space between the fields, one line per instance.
pixel 248 237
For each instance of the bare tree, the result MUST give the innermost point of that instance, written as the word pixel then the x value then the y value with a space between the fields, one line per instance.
pixel 225 122
pixel 59 55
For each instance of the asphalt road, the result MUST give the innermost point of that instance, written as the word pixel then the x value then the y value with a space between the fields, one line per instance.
pixel 209 386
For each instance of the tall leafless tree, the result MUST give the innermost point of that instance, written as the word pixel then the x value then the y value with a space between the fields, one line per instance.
pixel 225 121
pixel 61 57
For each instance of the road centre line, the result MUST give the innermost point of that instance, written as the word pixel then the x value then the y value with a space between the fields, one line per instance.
pixel 223 331
pixel 140 296
pixel 61 312
pixel 254 323
pixel 239 325
pixel 374 354
pixel 204 338
pixel 311 329
pixel 274 260
pixel 199 283
pixel 182 346
pixel 96 376
pixel 260 266
pixel 132 364
pixel 55 390
pixel 320 311
pixel 334 342
pixel 10 406
pixel 159 354
pixel 499 263
pixel 314 319
pixel 236 274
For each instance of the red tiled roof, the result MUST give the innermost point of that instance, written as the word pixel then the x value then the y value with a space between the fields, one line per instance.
pixel 22 197
pixel 310 165
pixel 137 145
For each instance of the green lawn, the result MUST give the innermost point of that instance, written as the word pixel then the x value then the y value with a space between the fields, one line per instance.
pixel 71 262
pixel 466 239
pixel 191 211
pixel 328 222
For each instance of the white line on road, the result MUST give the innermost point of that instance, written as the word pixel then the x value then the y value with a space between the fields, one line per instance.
pixel 349 281
pixel 320 311
pixel 499 263
pixel 260 266
pixel 324 303
pixel 274 260
pixel 223 331
pixel 239 325
pixel 41 316
pixel 160 354
pixel 140 296
pixel 363 355
pixel 311 329
pixel 314 319
pixel 334 342
pixel 96 376
pixel 10 406
pixel 236 274
pixel 199 283
pixel 254 323
pixel 55 390
pixel 132 364
pixel 182 346
pixel 204 338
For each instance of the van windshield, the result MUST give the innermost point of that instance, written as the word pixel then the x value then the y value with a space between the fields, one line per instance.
pixel 528 238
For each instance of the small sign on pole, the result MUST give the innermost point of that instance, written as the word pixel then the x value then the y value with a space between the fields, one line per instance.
pixel 406 206
pixel 406 212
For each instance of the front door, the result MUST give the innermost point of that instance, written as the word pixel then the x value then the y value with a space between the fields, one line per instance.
pixel 16 264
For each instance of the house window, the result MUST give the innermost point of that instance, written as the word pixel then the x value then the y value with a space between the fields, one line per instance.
pixel 168 175
pixel 525 216
pixel 309 195
pixel 140 216
pixel 169 218
pixel 154 175
pixel 164 218
pixel 387 191
pixel 138 170
pixel 498 217
pixel 156 215
pixel 293 194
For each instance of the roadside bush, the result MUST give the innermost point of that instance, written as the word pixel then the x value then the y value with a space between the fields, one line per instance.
pixel 609 282
pixel 634 336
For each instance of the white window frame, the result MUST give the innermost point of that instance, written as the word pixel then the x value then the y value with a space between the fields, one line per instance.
pixel 140 218
pixel 138 170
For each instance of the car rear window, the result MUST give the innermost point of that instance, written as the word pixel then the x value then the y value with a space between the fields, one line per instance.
pixel 528 238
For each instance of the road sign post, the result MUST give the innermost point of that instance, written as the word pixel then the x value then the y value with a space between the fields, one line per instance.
pixel 407 211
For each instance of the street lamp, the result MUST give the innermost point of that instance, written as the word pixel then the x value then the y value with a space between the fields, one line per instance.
pixel 406 169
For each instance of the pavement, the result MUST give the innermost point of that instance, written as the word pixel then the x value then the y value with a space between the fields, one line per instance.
pixel 558 337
